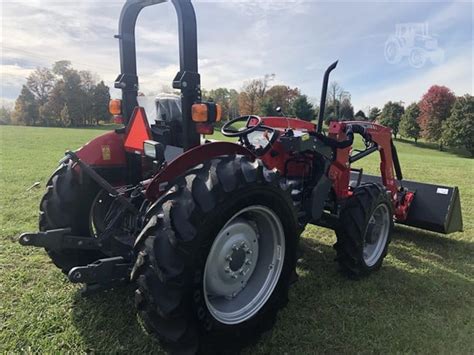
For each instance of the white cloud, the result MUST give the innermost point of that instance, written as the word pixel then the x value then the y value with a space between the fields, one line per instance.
pixel 240 40
pixel 455 74
pixel 13 73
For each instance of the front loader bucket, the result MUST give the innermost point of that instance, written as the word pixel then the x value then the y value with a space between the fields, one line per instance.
pixel 435 208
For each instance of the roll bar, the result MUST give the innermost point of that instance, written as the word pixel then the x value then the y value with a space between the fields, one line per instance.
pixel 187 79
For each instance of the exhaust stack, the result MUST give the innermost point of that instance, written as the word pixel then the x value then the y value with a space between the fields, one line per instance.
pixel 324 92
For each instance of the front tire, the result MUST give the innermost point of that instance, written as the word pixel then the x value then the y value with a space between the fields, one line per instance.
pixel 208 221
pixel 364 231
pixel 417 58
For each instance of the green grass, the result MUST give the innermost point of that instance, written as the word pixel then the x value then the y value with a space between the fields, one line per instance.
pixel 421 301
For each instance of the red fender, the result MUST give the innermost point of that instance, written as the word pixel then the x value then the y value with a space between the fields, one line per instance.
pixel 106 155
pixel 187 160
pixel 106 150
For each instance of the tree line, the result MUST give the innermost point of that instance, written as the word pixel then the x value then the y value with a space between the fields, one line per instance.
pixel 258 96
pixel 439 117
pixel 63 96
pixel 60 96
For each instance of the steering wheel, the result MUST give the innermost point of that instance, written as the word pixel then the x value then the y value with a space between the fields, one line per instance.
pixel 227 131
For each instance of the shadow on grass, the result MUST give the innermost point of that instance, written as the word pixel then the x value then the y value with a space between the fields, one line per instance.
pixel 107 323
pixel 417 302
pixel 408 306
pixel 432 242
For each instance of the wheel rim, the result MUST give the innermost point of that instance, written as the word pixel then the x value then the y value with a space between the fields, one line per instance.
pixel 244 264
pixel 376 235
pixel 417 58
pixel 391 52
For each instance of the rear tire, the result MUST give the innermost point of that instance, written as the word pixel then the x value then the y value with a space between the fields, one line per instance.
pixel 67 203
pixel 364 231
pixel 184 228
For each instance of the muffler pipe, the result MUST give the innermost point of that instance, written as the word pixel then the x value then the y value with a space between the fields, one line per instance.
pixel 324 93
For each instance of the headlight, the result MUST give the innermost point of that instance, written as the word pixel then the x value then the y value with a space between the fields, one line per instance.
pixel 153 150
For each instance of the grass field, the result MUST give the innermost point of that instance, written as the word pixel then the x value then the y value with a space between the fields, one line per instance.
pixel 421 301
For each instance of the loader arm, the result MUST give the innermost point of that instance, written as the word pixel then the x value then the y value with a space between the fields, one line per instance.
pixel 377 138
pixel 428 206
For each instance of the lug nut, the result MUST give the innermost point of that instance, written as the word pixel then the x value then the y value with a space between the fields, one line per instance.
pixel 228 258
pixel 227 269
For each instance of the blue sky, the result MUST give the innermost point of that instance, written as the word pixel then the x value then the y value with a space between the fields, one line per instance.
pixel 242 40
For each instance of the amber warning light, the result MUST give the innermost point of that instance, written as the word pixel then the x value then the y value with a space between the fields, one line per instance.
pixel 206 112
pixel 115 107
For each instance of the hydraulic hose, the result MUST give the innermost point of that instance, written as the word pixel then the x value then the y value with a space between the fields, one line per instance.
pixel 350 130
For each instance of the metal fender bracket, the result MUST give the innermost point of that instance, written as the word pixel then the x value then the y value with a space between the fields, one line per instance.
pixel 101 275
pixel 58 239
pixel 101 182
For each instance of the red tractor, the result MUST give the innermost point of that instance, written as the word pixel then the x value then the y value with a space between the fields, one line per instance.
pixel 209 231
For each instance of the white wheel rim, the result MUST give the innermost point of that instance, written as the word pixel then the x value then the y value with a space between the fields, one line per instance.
pixel 376 235
pixel 244 264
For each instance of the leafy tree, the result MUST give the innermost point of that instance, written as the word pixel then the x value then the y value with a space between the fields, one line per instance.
pixel 268 107
pixel 253 93
pixel 40 82
pixel 5 115
pixel 282 96
pixel 248 102
pixel 346 109
pixel 87 86
pixel 224 97
pixel 73 95
pixel 51 111
pixel 435 107
pixel 61 67
pixel 360 115
pixel 390 116
pixel 409 126
pixel 100 102
pixel 458 129
pixel 65 119
pixel 48 92
pixel 26 108
pixel 336 96
pixel 302 108
pixel 330 114
pixel 233 103
pixel 374 114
